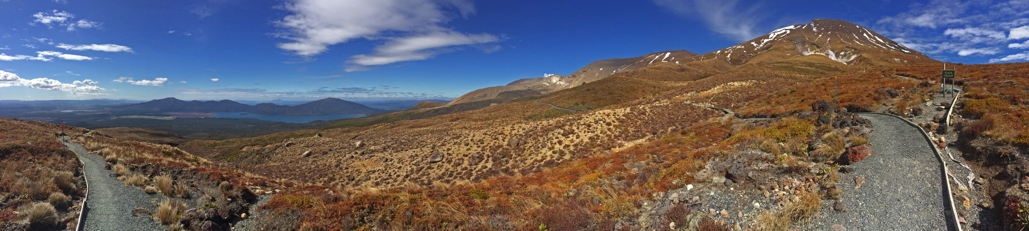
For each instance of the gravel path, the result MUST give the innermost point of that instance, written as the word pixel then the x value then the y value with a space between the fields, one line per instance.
pixel 110 202
pixel 903 187
pixel 556 107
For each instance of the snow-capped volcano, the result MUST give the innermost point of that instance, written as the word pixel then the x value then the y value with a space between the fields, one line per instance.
pixel 837 40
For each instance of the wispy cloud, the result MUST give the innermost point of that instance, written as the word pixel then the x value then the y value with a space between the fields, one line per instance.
pixel 62 18
pixel 71 73
pixel 44 56
pixel 83 87
pixel 215 79
pixel 96 47
pixel 1012 58
pixel 157 82
pixel 412 29
pixel 418 47
pixel 723 17
pixel 944 28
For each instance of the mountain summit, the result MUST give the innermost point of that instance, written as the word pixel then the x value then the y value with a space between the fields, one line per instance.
pixel 837 40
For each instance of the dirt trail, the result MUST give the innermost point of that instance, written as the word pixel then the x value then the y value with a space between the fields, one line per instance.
pixel 110 203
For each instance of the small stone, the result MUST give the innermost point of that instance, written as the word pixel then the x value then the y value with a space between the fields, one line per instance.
pixel 985 204
pixel 839 206
pixel 306 154
pixel 712 211
pixel 766 193
pixel 858 182
pixel 838 227
pixel 718 180
pixel 724 214
pixel 1025 186
pixel 244 215
pixel 671 225
pixel 689 187
pixel 757 205
pixel 739 214
pixel 736 226
pixel 962 220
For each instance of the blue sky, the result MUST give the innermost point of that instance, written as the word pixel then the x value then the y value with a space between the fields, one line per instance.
pixel 403 49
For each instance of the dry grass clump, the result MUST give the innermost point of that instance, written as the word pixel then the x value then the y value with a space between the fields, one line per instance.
pixel 181 191
pixel 164 183
pixel 806 206
pixel 121 170
pixel 59 200
pixel 65 181
pixel 40 215
pixel 169 211
pixel 708 224
pixel 33 189
pixel 136 180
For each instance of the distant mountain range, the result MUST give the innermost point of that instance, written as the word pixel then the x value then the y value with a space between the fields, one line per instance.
pixel 327 106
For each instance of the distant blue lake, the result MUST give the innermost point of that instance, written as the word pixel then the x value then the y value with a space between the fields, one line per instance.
pixel 285 119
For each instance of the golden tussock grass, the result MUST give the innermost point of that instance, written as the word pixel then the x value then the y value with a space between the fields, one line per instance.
pixel 137 180
pixel 164 183
pixel 800 210
pixel 169 211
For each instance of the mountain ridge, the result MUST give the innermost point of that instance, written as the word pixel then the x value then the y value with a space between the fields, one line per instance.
pixel 327 106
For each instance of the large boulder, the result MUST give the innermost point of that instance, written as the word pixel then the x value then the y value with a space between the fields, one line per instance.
pixel 855 154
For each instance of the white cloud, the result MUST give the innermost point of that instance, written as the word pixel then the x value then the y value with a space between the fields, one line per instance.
pixel 171 32
pixel 1022 45
pixel 214 79
pixel 1012 58
pixel 44 56
pixel 314 25
pixel 30 46
pixel 959 27
pixel 722 17
pixel 54 17
pixel 5 57
pixel 417 48
pixel 123 79
pixel 96 47
pixel 1019 33
pixel 63 55
pixel 183 81
pixel 82 23
pixel 72 73
pixel 84 87
pixel 976 35
pixel 4 48
pixel 157 82
pixel 62 18
pixel 931 15
pixel 972 51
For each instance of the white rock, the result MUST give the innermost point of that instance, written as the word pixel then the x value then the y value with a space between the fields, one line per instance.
pixel 689 187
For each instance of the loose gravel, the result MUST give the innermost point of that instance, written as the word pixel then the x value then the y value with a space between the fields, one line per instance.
pixel 110 203
pixel 902 189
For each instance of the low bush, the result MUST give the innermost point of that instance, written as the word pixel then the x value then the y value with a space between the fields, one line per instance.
pixel 65 181
pixel 59 200
pixel 40 215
